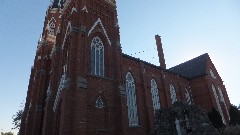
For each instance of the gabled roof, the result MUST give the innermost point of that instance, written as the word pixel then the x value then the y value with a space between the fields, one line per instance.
pixel 193 68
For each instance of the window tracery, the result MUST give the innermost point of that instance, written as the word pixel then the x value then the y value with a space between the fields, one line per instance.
pixel 188 98
pixel 173 93
pixel 218 104
pixel 97 57
pixel 223 101
pixel 155 96
pixel 131 100
pixel 51 26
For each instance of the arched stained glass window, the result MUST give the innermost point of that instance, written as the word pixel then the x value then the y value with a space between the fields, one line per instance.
pixel 188 98
pixel 155 96
pixel 173 93
pixel 218 104
pixel 131 100
pixel 97 57
pixel 223 100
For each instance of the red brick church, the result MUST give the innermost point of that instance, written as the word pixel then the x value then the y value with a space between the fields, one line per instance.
pixel 82 84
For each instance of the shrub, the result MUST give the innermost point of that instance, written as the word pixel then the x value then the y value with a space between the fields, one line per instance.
pixel 232 130
pixel 216 119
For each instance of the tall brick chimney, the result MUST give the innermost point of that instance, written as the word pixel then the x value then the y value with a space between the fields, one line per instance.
pixel 160 52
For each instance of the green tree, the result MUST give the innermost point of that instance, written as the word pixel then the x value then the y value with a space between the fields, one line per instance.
pixel 216 119
pixel 234 113
pixel 17 119
pixel 7 133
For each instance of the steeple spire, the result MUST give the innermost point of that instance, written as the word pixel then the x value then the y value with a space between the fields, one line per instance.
pixel 57 3
pixel 113 2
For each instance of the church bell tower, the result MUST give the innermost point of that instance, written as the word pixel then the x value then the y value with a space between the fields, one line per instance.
pixel 73 87
pixel 90 54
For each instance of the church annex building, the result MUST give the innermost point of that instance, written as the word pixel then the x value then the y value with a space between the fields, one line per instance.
pixel 82 84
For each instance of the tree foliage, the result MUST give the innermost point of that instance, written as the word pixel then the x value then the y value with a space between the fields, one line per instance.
pixel 17 119
pixel 234 113
pixel 231 130
pixel 8 133
pixel 216 119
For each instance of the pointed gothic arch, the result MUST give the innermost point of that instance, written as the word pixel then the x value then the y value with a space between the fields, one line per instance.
pixel 101 111
pixel 100 102
pixel 97 57
pixel 99 22
pixel 155 95
pixel 51 26
pixel 173 93
pixel 131 100
pixel 219 108
pixel 188 97
pixel 223 101
pixel 67 33
pixel 212 74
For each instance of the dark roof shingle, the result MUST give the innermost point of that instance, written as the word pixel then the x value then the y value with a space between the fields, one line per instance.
pixel 193 68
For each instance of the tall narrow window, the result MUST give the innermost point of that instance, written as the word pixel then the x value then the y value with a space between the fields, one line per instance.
pixel 218 104
pixel 97 57
pixel 173 94
pixel 188 98
pixel 131 100
pixel 212 74
pixel 155 96
pixel 223 101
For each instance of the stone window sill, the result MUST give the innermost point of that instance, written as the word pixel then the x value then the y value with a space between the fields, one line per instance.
pixel 135 126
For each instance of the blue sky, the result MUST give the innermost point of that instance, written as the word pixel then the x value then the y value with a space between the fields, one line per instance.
pixel 188 29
